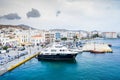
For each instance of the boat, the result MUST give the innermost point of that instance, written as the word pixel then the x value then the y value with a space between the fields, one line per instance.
pixel 110 45
pixel 75 49
pixel 95 51
pixel 57 52
pixel 98 38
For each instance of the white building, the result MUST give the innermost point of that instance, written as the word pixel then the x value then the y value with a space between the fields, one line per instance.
pixel 37 39
pixel 109 34
pixel 70 35
pixel 3 40
pixel 82 34
pixel 8 42
pixel 118 35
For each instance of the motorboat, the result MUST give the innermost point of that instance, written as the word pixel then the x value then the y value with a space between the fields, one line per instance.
pixel 57 52
pixel 97 52
pixel 75 49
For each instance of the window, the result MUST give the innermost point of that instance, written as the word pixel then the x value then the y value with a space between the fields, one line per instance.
pixel 58 46
pixel 53 50
pixel 62 50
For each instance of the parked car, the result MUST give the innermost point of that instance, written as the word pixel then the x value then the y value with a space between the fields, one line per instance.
pixel 7 51
pixel 10 49
pixel 23 53
pixel 2 51
pixel 21 48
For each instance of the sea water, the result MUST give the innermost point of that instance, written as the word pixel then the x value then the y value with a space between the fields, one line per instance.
pixel 87 66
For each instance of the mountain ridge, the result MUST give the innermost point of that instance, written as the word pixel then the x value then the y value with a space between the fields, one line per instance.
pixel 20 26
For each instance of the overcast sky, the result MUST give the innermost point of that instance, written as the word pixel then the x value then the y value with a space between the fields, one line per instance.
pixel 102 15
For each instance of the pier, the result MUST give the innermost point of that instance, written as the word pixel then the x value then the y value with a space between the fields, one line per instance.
pixel 23 61
pixel 19 61
pixel 97 46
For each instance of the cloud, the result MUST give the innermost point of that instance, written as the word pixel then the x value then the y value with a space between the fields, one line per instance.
pixel 10 16
pixel 34 13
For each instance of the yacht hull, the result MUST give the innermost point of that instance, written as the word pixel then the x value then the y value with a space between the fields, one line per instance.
pixel 57 57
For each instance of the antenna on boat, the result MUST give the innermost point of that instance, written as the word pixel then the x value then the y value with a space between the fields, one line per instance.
pixel 94 46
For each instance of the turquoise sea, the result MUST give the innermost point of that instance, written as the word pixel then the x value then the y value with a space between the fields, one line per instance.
pixel 87 66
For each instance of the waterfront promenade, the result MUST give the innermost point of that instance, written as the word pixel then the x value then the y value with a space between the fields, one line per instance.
pixel 10 65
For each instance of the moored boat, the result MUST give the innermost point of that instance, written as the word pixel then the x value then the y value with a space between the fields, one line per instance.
pixel 57 52
pixel 109 45
pixel 97 52
pixel 76 50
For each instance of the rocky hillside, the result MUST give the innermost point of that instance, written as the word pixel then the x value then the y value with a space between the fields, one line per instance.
pixel 21 26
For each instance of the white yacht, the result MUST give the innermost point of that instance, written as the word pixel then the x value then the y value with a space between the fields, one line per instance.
pixel 75 49
pixel 57 52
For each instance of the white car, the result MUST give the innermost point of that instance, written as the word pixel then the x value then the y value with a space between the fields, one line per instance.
pixel 2 51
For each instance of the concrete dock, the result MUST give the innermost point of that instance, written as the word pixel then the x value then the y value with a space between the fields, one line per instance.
pixel 32 52
pixel 23 61
pixel 97 46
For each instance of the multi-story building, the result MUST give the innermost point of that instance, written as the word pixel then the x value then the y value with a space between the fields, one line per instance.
pixel 49 36
pixel 23 37
pixel 37 39
pixel 5 41
pixel 70 35
pixel 57 36
pixel 82 34
pixel 118 35
pixel 109 34
pixel 59 33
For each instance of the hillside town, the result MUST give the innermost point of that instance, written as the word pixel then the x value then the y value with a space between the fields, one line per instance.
pixel 17 36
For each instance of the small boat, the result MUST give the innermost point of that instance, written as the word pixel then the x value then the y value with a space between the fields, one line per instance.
pixel 98 38
pixel 57 52
pixel 110 45
pixel 95 51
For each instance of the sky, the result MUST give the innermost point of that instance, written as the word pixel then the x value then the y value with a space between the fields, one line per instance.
pixel 89 15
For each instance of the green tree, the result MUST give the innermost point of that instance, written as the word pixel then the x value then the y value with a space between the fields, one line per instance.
pixel 64 38
pixel 5 48
pixel 95 35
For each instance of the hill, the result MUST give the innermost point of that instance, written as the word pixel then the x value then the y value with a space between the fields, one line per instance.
pixel 21 26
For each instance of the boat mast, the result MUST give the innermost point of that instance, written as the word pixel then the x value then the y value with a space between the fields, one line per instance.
pixel 94 46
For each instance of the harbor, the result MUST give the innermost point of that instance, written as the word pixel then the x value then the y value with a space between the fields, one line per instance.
pixel 34 51
pixel 86 65
pixel 31 52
